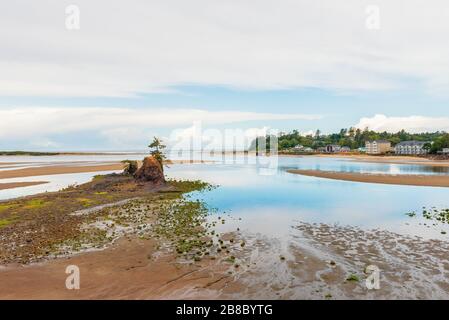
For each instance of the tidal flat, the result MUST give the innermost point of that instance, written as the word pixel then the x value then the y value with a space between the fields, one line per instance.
pixel 246 235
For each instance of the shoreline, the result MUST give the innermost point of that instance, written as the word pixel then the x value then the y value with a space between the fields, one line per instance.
pixel 408 180
pixel 12 185
pixel 131 268
pixel 67 169
pixel 120 234
pixel 51 170
pixel 387 159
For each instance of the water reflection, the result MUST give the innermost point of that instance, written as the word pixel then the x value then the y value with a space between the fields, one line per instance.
pixel 273 204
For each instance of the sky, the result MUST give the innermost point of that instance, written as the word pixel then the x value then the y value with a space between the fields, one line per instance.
pixel 109 75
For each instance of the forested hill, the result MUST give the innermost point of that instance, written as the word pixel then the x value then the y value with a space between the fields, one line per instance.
pixel 355 138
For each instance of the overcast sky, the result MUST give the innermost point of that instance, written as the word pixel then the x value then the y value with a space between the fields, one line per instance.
pixel 135 69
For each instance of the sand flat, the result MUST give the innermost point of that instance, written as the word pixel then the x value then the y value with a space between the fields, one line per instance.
pixel 129 269
pixel 387 159
pixel 409 180
pixel 49 170
pixel 66 168
pixel 12 185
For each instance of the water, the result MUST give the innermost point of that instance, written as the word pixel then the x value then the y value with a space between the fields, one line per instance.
pixel 273 210
pixel 55 182
pixel 271 204
pixel 59 159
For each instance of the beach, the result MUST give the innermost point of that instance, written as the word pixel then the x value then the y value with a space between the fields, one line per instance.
pixel 131 268
pixel 402 179
pixel 13 185
pixel 388 159
pixel 58 169
pixel 114 230
pixel 72 168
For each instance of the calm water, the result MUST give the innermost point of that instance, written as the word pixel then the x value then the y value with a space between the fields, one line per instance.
pixel 272 204
pixel 270 201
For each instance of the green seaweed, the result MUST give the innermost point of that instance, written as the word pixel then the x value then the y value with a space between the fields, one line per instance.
pixel 353 277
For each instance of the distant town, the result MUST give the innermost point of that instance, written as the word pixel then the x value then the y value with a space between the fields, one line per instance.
pixel 354 140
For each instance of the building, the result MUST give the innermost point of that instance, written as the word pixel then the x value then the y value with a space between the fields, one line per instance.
pixel 298 147
pixel 445 151
pixel 378 146
pixel 345 149
pixel 331 148
pixel 411 147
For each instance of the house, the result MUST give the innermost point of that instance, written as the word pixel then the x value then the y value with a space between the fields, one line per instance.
pixel 378 146
pixel 331 148
pixel 411 147
pixel 445 151
pixel 345 149
pixel 308 149
pixel 298 147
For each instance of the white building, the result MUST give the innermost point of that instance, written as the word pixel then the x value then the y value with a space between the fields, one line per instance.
pixel 411 147
pixel 378 146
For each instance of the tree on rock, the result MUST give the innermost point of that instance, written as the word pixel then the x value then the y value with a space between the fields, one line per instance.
pixel 157 151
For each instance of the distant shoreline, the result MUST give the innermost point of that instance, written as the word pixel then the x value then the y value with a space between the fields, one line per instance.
pixel 389 159
pixel 12 185
pixel 68 153
pixel 409 180
pixel 66 169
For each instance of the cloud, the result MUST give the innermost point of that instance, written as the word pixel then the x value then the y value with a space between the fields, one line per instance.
pixel 120 126
pixel 125 49
pixel 413 124
pixel 198 138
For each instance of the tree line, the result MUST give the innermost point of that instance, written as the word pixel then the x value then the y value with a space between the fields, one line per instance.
pixel 355 138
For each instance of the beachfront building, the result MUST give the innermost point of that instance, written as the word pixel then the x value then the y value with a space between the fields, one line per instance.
pixel 411 148
pixel 445 151
pixel 378 146
pixel 332 148
pixel 345 149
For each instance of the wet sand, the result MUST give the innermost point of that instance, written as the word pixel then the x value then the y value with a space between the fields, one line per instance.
pixel 409 180
pixel 322 262
pixel 13 185
pixel 130 269
pixel 388 159
pixel 50 170
pixel 70 168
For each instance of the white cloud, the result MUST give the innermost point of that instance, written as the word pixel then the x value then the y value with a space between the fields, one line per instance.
pixel 198 138
pixel 413 124
pixel 124 48
pixel 119 124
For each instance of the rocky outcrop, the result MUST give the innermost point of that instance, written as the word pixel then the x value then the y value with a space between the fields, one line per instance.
pixel 150 171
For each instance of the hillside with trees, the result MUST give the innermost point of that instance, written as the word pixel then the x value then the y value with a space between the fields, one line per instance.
pixel 355 138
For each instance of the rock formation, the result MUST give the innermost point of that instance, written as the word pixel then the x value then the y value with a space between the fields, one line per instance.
pixel 150 171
